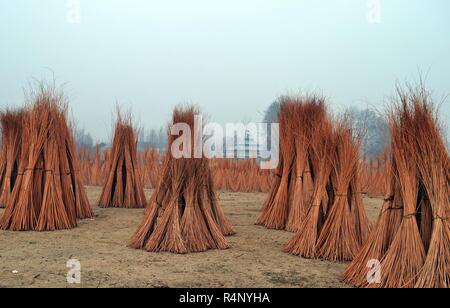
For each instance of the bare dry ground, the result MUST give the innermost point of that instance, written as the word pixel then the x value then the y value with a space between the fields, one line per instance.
pixel 32 259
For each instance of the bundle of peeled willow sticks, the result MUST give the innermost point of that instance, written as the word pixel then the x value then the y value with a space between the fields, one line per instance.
pixel 47 194
pixel 411 238
pixel 343 232
pixel 275 211
pixel 123 187
pixel 304 242
pixel 11 123
pixel 287 202
pixel 335 224
pixel 434 166
pixel 184 214
pixel 301 179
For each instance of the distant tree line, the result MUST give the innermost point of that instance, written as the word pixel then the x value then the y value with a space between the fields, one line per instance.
pixel 151 138
pixel 84 138
pixel 373 127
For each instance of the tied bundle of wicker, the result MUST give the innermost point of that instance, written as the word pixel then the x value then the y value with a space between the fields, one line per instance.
pixel 183 215
pixel 322 149
pixel 123 187
pixel 336 224
pixel 411 238
pixel 275 211
pixel 287 203
pixel 47 194
pixel 11 123
pixel 434 167
pixel 346 224
pixel 308 113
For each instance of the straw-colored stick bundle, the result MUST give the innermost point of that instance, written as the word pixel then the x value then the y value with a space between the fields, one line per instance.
pixel 123 187
pixel 330 221
pixel 411 238
pixel 287 202
pixel 317 193
pixel 304 242
pixel 183 215
pixel 276 209
pixel 47 194
pixel 406 253
pixel 339 238
pixel 434 166
pixel 11 123
pixel 300 193
pixel 361 221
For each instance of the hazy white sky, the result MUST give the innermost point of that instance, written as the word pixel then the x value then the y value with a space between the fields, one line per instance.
pixel 232 58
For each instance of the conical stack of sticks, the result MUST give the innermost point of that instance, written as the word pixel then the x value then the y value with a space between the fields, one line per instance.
pixel 317 193
pixel 184 214
pixel 11 123
pixel 47 194
pixel 123 187
pixel 411 239
pixel 336 224
pixel 276 208
pixel 346 226
pixel 286 206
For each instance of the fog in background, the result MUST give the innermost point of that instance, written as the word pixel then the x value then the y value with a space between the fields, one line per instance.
pixel 232 58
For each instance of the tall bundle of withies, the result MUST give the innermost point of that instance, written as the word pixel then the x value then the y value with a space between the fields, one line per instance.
pixel 317 193
pixel 124 187
pixel 411 239
pixel 48 194
pixel 11 124
pixel 184 214
pixel 286 205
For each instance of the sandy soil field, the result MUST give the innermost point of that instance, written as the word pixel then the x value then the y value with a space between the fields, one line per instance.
pixel 32 259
